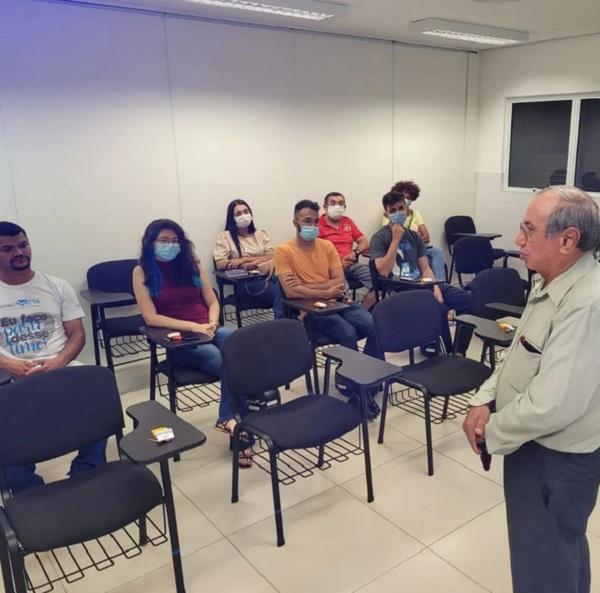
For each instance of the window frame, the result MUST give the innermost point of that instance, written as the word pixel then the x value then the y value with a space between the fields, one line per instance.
pixel 573 135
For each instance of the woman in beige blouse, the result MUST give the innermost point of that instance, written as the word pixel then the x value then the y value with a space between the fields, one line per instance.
pixel 241 245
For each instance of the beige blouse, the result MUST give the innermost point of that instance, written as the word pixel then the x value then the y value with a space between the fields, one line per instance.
pixel 251 245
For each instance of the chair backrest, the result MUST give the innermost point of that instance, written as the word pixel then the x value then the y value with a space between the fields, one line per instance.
pixel 49 414
pixel 112 276
pixel 457 224
pixel 497 285
pixel 407 320
pixel 473 255
pixel 266 355
pixel 376 280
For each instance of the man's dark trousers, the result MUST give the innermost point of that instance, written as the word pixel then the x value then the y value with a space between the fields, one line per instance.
pixel 549 498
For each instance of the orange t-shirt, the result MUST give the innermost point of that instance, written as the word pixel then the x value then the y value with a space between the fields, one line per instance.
pixel 310 267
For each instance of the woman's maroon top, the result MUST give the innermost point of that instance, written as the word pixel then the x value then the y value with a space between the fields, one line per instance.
pixel 183 301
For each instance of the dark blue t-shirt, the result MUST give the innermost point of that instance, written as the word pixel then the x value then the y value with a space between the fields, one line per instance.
pixel 410 249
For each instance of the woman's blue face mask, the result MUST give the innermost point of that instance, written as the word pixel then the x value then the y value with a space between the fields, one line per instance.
pixel 166 251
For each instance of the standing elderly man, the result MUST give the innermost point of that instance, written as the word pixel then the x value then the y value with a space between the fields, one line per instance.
pixel 547 397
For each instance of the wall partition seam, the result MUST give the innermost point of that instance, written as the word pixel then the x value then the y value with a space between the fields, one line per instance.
pixel 172 110
pixel 4 141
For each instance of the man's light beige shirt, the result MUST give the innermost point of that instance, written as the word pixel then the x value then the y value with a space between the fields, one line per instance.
pixel 552 397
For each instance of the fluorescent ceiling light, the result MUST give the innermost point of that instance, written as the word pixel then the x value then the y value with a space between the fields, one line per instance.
pixel 468 32
pixel 301 9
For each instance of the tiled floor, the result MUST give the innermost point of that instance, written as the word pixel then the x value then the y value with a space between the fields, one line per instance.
pixel 440 534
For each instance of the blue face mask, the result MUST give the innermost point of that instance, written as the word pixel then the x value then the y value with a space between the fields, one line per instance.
pixel 167 251
pixel 398 217
pixel 309 233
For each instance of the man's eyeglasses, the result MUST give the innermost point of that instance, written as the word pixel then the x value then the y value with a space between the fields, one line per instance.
pixel 529 233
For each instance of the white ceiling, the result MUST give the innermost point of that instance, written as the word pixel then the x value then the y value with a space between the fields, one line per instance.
pixel 388 19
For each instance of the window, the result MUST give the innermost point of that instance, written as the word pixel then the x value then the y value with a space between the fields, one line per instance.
pixel 554 142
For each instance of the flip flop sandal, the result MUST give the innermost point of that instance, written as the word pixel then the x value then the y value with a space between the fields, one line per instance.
pixel 245 459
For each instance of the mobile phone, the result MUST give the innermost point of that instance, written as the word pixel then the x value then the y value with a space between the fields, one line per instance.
pixel 186 336
pixel 484 455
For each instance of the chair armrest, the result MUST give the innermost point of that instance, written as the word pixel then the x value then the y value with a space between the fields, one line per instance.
pixel 5 377
pixel 359 368
pixel 308 306
pixel 107 299
pixel 138 444
pixel 514 310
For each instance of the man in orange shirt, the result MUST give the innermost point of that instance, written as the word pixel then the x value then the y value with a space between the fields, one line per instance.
pixel 309 267
pixel 343 233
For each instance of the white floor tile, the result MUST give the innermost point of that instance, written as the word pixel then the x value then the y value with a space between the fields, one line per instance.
pixel 209 488
pixel 480 550
pixel 195 532
pixel 334 544
pixel 457 448
pixel 429 507
pixel 424 573
pixel 218 567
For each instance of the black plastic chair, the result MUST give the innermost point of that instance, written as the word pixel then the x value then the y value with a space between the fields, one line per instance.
pixel 472 255
pixel 257 305
pixel 264 356
pixel 411 319
pixel 497 285
pixel 110 284
pixel 465 224
pixel 60 411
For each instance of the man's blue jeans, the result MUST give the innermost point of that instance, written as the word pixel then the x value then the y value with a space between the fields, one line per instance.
pixel 20 477
pixel 347 327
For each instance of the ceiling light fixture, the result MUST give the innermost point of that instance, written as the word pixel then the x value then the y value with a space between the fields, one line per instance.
pixel 302 9
pixel 471 33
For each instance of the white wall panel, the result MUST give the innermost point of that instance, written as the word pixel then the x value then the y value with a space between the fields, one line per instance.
pixel 234 107
pixel 88 130
pixel 429 130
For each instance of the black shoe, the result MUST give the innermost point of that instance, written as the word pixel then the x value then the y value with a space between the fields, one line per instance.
pixel 429 350
pixel 373 406
pixel 354 400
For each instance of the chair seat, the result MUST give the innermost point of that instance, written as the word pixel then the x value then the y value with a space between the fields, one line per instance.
pixel 304 422
pixel 124 326
pixel 448 374
pixel 84 507
pixel 186 375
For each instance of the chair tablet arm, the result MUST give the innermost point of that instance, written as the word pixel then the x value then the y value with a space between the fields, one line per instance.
pixel 138 444
pixel 359 368
pixel 108 299
pixel 5 377
pixel 514 310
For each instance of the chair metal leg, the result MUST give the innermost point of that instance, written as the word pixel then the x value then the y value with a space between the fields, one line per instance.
pixel 107 351
pixel 238 316
pixel 18 569
pixel 321 457
pixel 235 476
pixel 172 388
pixel 384 405
pixel 445 410
pixel 276 497
pixel 327 377
pixel 366 446
pixel 427 406
pixel 143 535
pixel 95 320
pixel 153 364
pixel 172 521
pixel 6 568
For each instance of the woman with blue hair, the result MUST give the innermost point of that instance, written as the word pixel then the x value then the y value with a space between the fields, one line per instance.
pixel 174 292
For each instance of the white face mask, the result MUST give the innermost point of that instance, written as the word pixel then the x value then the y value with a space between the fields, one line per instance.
pixel 336 212
pixel 243 221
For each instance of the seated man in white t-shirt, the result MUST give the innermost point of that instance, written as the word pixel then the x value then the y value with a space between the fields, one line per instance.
pixel 40 330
